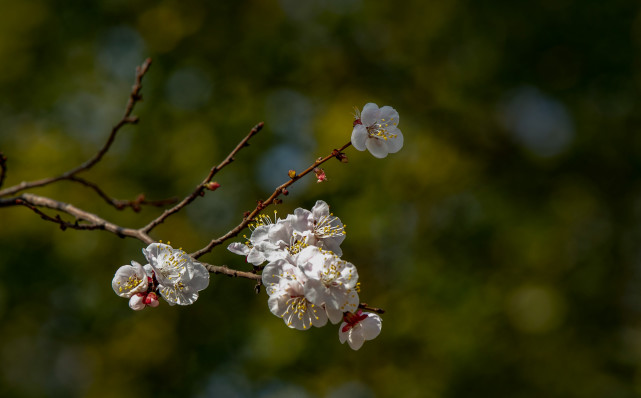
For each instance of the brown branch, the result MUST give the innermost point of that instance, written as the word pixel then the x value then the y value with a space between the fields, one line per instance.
pixel 3 168
pixel 31 200
pixel 364 306
pixel 200 189
pixel 58 220
pixel 119 203
pixel 218 269
pixel 134 97
pixel 336 153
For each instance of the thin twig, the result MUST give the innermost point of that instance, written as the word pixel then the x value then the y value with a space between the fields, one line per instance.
pixel 40 201
pixel 364 306
pixel 222 269
pixel 122 204
pixel 3 168
pixel 336 153
pixel 134 97
pixel 200 188
pixel 58 220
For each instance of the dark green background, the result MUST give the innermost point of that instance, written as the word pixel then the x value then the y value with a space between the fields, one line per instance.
pixel 503 240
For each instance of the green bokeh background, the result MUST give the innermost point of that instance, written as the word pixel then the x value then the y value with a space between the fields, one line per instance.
pixel 504 239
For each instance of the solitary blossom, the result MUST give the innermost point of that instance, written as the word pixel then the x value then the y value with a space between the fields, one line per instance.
pixel 376 129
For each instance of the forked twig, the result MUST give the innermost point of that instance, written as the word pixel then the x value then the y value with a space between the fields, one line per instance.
pixel 134 97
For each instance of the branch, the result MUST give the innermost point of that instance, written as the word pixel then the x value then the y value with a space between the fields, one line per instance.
pixel 121 204
pixel 217 269
pixel 3 168
pixel 200 189
pixel 58 220
pixel 336 153
pixel 134 97
pixel 33 201
pixel 372 309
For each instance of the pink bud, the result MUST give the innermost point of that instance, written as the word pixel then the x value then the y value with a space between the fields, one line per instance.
pixel 212 186
pixel 152 300
pixel 320 174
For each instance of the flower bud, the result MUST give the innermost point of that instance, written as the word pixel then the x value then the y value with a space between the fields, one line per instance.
pixel 320 174
pixel 212 186
pixel 291 173
pixel 137 301
pixel 152 300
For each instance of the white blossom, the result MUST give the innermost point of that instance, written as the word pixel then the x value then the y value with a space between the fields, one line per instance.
pixel 285 284
pixel 179 277
pixel 377 130
pixel 129 280
pixel 331 282
pixel 262 245
pixel 358 328
pixel 319 227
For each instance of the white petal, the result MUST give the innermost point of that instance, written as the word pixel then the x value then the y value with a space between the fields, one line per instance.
pixel 355 340
pixel 154 250
pixel 256 257
pixel 320 209
pixel 369 114
pixel 137 302
pixel 260 234
pixel 359 136
pixel 387 114
pixel 148 270
pixel 377 147
pixel 351 305
pixel 334 316
pixel 319 317
pixel 342 336
pixel 371 326
pixel 396 143
pixel 301 220
pixel 239 248
pixel 199 277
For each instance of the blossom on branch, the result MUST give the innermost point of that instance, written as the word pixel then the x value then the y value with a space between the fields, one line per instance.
pixel 286 288
pixel 376 130
pixel 359 327
pixel 129 280
pixel 179 277
pixel 275 239
pixel 331 282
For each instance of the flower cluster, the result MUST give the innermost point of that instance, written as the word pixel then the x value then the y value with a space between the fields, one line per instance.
pixel 170 272
pixel 306 280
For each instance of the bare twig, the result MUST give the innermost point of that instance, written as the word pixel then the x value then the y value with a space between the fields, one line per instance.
pixel 31 200
pixel 58 220
pixel 336 153
pixel 198 191
pixel 122 204
pixel 364 306
pixel 134 97
pixel 3 168
pixel 218 269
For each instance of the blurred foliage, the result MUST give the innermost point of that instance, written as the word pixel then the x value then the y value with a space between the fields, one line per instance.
pixel 504 240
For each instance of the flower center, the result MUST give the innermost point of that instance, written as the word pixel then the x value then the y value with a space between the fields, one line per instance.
pixel 352 319
pixel 327 227
pixel 131 283
pixel 380 129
